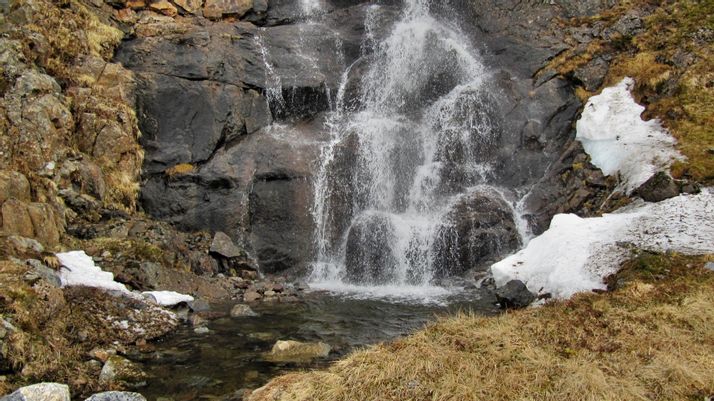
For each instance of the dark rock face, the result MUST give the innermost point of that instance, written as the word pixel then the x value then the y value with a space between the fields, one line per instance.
pixel 208 93
pixel 514 295
pixel 571 185
pixel 480 229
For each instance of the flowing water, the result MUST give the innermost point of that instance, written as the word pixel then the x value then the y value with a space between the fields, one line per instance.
pixel 401 157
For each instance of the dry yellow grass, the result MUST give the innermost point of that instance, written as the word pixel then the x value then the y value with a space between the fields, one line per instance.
pixel 650 340
pixel 180 169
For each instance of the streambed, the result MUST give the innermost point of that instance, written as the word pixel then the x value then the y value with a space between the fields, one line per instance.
pixel 190 366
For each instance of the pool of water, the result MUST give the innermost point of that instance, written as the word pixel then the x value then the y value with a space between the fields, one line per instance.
pixel 189 366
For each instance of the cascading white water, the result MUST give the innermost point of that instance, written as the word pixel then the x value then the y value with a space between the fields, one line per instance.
pixel 398 162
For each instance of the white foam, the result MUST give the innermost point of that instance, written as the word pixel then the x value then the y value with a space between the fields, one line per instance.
pixel 575 254
pixel 619 141
pixel 422 294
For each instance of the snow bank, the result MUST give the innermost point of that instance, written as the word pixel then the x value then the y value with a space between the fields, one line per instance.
pixel 167 298
pixel 575 254
pixel 618 140
pixel 78 269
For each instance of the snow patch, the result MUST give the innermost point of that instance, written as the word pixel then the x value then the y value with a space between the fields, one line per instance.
pixel 575 254
pixel 619 141
pixel 167 298
pixel 78 269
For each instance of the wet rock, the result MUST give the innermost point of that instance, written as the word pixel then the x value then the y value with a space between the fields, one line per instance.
pixel 196 320
pixel 40 392
pixel 120 370
pixel 659 187
pixel 199 305
pixel 480 228
pixel 369 258
pixel 242 310
pixel 295 351
pixel 514 295
pixel 116 396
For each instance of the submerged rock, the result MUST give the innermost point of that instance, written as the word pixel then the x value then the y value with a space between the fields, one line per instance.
pixel 117 369
pixel 40 392
pixel 296 351
pixel 514 295
pixel 116 396
pixel 242 310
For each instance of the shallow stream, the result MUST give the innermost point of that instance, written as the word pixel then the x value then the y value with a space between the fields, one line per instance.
pixel 189 366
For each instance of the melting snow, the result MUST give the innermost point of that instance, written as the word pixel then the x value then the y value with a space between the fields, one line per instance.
pixel 78 269
pixel 167 298
pixel 619 141
pixel 575 254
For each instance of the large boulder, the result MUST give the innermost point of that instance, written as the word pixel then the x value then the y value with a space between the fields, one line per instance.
pixel 40 392
pixel 479 230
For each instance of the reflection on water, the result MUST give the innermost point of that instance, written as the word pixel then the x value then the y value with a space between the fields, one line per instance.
pixel 188 366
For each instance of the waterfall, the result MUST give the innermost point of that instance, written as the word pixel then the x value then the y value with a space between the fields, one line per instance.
pixel 414 145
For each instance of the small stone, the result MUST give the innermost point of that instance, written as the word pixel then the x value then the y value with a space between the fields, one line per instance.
pixel 514 295
pixel 242 310
pixel 201 330
pixel 297 351
pixel 709 266
pixel 216 9
pixel 195 320
pixel 252 296
pixel 223 245
pixel 164 7
pixel 270 293
pixel 101 355
pixel 659 187
pixel 289 299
